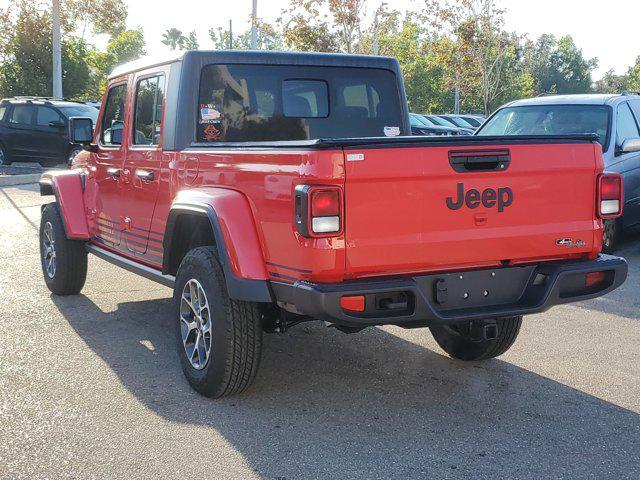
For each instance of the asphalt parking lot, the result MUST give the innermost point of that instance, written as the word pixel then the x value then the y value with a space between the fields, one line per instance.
pixel 90 387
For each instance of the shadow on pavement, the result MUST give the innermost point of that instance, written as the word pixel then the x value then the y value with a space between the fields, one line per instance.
pixel 373 405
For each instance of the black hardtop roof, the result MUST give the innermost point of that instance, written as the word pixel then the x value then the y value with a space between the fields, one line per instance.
pixel 204 57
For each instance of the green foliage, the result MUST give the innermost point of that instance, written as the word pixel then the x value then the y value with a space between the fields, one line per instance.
pixel 633 77
pixel 175 40
pixel 558 66
pixel 26 47
pixel 268 38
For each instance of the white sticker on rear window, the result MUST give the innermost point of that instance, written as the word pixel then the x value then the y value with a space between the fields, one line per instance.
pixel 392 131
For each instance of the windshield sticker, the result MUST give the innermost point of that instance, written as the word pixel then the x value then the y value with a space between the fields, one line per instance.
pixel 391 131
pixel 211 133
pixel 209 113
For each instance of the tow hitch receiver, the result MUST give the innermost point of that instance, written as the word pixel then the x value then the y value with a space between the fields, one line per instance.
pixel 481 330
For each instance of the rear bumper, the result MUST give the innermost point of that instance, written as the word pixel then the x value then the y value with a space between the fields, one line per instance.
pixel 447 298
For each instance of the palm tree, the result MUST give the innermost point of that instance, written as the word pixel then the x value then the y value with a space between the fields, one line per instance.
pixel 173 38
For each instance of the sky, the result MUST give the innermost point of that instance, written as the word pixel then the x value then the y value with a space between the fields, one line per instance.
pixel 607 30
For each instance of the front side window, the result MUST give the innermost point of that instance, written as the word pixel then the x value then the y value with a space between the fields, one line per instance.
pixel 113 117
pixel 46 115
pixel 626 126
pixel 248 103
pixel 3 110
pixel 22 115
pixel 148 112
pixel 550 120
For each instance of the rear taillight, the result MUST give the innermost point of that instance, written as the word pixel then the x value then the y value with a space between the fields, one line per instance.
pixel 610 195
pixel 318 210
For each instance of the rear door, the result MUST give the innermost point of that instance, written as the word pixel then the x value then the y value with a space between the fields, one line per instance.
pixel 20 130
pixel 628 126
pixel 422 208
pixel 142 166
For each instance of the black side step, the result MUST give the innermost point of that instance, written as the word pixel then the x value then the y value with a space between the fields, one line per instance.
pixel 131 266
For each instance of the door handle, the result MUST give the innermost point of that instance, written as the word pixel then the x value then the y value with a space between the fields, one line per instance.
pixel 113 172
pixel 144 175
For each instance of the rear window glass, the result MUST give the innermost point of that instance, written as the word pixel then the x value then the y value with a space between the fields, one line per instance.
pixel 550 120
pixel 244 103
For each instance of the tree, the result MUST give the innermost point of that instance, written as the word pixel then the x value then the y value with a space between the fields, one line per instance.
pixel 611 83
pixel 633 77
pixel 173 38
pixel 558 66
pixel 488 57
pixel 190 42
pixel 26 46
pixel 268 38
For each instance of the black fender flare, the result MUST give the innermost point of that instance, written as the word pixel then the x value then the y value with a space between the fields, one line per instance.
pixel 249 290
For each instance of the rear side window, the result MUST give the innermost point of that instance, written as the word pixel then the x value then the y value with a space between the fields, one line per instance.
pixel 21 115
pixel 3 110
pixel 113 118
pixel 46 115
pixel 626 126
pixel 148 113
pixel 245 103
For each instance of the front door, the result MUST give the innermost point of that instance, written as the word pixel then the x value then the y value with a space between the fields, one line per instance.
pixel 142 168
pixel 105 191
pixel 628 164
pixel 49 139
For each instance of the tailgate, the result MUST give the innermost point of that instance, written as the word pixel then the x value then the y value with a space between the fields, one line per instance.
pixel 428 208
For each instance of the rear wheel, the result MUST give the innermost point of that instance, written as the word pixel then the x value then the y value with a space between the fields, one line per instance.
pixel 478 340
pixel 4 156
pixel 64 261
pixel 611 233
pixel 219 339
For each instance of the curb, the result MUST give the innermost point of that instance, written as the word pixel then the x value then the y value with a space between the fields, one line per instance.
pixel 10 180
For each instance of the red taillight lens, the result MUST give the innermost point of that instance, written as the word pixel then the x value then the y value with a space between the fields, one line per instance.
pixel 609 195
pixel 593 279
pixel 318 210
pixel 325 203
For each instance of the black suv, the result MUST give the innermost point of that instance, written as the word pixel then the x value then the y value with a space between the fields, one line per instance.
pixel 36 129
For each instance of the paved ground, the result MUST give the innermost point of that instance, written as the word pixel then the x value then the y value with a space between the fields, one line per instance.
pixel 90 387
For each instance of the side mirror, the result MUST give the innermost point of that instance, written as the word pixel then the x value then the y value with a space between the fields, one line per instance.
pixel 80 130
pixel 630 145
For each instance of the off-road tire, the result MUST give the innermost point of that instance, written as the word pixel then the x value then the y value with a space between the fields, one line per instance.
pixel 5 160
pixel 236 331
pixel 70 256
pixel 611 233
pixel 459 344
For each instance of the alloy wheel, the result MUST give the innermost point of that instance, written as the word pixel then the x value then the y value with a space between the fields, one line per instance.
pixel 195 324
pixel 49 250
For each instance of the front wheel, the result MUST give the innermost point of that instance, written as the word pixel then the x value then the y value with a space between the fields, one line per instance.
pixel 64 261
pixel 478 340
pixel 219 340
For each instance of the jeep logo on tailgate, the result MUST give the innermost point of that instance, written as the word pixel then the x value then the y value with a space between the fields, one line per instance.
pixel 489 198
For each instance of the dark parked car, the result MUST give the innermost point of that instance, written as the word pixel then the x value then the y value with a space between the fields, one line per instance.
pixel 474 120
pixel 614 118
pixel 435 121
pixel 459 121
pixel 421 126
pixel 36 130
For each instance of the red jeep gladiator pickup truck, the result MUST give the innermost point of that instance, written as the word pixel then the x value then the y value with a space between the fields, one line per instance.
pixel 269 189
